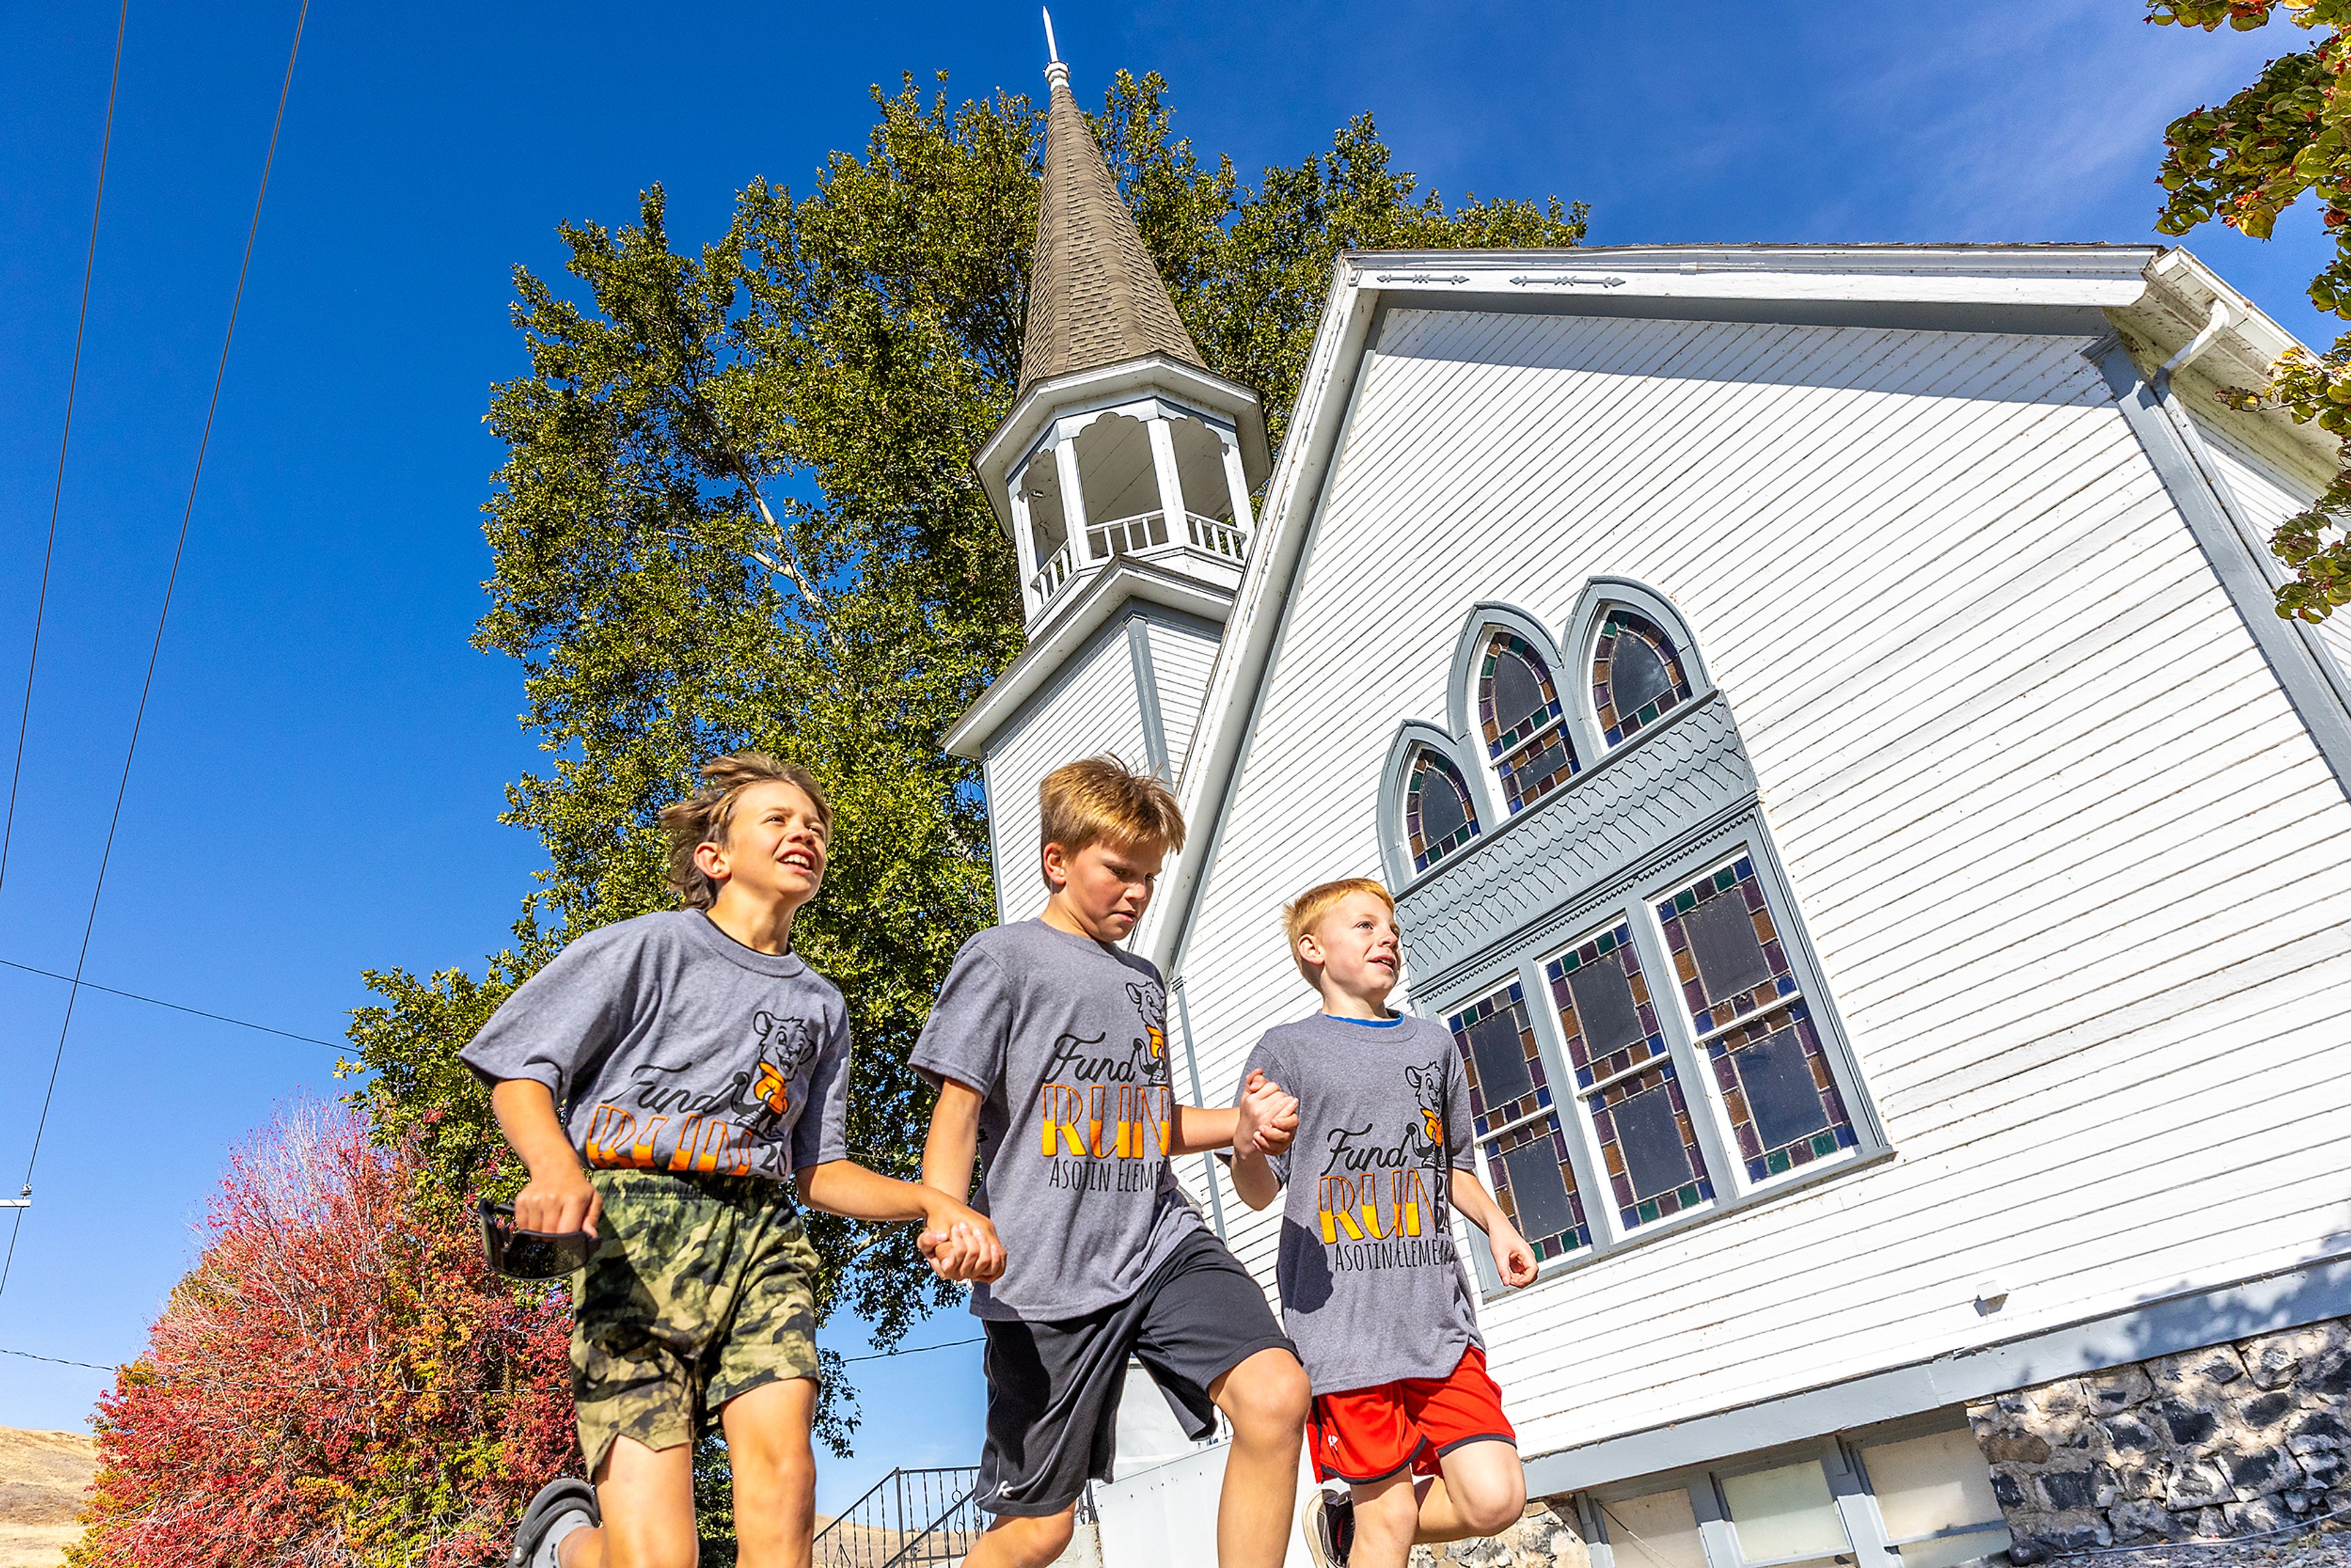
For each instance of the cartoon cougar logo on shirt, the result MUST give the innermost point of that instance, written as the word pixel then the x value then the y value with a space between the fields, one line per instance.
pixel 1428 1089
pixel 1149 1050
pixel 793 1044
pixel 717 1130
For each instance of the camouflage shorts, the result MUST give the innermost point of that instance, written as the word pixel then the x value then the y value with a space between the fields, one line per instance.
pixel 703 1288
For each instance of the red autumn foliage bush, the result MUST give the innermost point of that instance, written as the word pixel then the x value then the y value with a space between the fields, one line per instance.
pixel 340 1380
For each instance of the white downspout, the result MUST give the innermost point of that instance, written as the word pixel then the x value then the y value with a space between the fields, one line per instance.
pixel 2223 318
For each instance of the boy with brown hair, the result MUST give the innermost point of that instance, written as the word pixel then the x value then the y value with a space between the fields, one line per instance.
pixel 697 1065
pixel 1049 1048
pixel 1371 1291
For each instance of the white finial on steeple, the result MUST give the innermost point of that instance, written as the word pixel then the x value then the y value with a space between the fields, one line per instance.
pixel 1056 73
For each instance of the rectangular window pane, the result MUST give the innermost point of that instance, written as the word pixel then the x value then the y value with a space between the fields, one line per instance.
pixel 1925 1485
pixel 1603 1002
pixel 1726 953
pixel 1722 939
pixel 1535 1183
pixel 1658 1531
pixel 1647 1144
pixel 1605 1008
pixel 1780 1089
pixel 1500 1059
pixel 1655 1155
pixel 1775 1082
pixel 1786 1512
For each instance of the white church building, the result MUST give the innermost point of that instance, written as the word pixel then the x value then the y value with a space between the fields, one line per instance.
pixel 1880 854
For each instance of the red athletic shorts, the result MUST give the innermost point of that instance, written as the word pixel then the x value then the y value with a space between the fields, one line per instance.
pixel 1370 1433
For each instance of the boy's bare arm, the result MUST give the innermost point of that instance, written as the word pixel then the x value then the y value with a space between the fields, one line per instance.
pixel 1196 1131
pixel 1513 1259
pixel 1253 1177
pixel 846 1187
pixel 558 1197
pixel 954 1140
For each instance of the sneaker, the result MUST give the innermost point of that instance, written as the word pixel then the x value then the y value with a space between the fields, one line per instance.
pixel 1328 1522
pixel 559 1500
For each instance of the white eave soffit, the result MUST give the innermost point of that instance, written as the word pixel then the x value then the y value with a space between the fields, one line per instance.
pixel 2098 276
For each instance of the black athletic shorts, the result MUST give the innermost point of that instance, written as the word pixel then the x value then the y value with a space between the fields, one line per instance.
pixel 1053 1387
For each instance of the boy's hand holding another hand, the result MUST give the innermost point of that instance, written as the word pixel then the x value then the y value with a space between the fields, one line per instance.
pixel 1267 1119
pixel 961 1243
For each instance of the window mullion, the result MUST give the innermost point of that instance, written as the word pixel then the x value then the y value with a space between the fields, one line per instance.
pixel 1567 1105
pixel 1690 1064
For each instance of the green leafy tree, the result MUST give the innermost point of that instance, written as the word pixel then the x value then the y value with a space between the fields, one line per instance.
pixel 2245 162
pixel 738 509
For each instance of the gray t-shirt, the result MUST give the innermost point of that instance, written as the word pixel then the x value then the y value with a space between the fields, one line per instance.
pixel 1372 1288
pixel 669 1046
pixel 1065 1040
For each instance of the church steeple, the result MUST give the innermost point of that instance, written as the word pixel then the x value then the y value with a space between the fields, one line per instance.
pixel 1094 296
pixel 1127 464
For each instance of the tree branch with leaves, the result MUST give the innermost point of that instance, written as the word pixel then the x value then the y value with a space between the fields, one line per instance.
pixel 2245 162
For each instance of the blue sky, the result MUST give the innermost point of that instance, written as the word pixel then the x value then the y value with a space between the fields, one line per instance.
pixel 324 755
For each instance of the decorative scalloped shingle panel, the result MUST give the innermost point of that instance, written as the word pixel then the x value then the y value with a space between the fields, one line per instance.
pixel 1579 844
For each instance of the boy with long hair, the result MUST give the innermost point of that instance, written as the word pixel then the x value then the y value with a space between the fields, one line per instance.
pixel 699 1070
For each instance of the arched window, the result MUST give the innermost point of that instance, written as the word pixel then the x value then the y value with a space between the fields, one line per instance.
pixel 1439 817
pixel 1636 675
pixel 1526 732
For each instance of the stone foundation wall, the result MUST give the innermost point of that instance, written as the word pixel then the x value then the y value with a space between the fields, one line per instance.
pixel 1545 1537
pixel 2227 1440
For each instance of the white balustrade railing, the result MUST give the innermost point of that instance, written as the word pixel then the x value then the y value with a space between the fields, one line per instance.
pixel 1144 534
pixel 1052 574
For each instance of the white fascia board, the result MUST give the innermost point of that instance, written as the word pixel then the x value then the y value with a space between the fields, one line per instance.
pixel 1124 578
pixel 1229 706
pixel 1083 391
pixel 2177 305
pixel 2104 276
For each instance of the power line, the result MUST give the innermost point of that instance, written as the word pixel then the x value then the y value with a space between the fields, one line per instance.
pixel 877 1355
pixel 176 1007
pixel 162 617
pixel 58 1360
pixel 73 386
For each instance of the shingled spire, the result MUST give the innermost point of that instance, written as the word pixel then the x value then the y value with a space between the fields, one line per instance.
pixel 1095 297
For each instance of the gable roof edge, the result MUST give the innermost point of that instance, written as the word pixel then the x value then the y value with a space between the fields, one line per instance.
pixel 1237 679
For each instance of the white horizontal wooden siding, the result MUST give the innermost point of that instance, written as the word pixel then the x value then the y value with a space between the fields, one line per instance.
pixel 1180 656
pixel 2071 861
pixel 1088 709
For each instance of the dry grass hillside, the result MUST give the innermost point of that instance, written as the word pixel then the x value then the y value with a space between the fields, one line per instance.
pixel 43 1476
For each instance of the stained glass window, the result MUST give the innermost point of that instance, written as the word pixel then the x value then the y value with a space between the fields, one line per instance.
pixel 1757 1032
pixel 1437 816
pixel 1636 675
pixel 1503 1065
pixel 1511 1113
pixel 1648 1145
pixel 1726 953
pixel 1519 710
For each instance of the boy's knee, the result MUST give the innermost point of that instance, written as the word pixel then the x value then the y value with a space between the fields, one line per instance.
pixel 1495 1506
pixel 1270 1401
pixel 1038 1542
